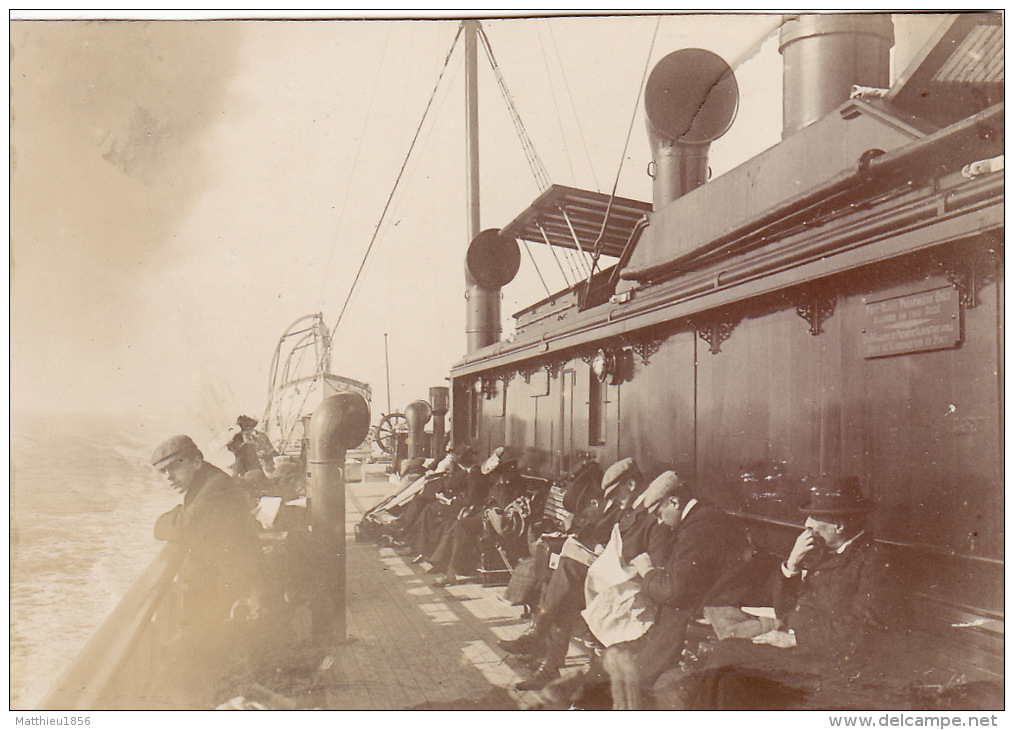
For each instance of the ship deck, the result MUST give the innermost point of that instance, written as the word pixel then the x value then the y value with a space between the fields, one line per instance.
pixel 409 644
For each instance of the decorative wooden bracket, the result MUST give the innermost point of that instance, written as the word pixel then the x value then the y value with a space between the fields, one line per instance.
pixel 645 346
pixel 528 371
pixel 814 304
pixel 554 367
pixel 714 330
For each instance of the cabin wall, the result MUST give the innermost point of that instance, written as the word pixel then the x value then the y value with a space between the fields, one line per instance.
pixel 777 406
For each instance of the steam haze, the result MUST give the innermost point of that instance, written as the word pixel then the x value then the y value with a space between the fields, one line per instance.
pixel 109 133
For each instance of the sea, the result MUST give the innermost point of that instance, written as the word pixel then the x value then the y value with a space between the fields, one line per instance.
pixel 83 502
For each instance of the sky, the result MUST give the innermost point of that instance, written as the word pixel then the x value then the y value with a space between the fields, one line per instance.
pixel 182 191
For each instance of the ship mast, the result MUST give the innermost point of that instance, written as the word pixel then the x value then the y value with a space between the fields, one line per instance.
pixel 471 28
pixel 482 325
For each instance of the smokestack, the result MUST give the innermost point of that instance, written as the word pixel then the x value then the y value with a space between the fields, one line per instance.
pixel 690 100
pixel 824 56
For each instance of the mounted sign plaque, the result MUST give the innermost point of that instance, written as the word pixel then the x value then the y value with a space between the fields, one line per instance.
pixel 926 320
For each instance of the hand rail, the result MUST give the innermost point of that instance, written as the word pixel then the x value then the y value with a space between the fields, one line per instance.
pixel 127 640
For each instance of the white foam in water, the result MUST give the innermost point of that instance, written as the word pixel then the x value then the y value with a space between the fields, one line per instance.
pixel 84 502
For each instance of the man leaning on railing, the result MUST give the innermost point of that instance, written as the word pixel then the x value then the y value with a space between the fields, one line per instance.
pixel 220 577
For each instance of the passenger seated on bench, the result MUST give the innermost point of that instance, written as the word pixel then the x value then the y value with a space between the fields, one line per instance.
pixel 829 605
pixel 706 543
pixel 446 480
pixel 563 598
pixel 458 552
pixel 465 486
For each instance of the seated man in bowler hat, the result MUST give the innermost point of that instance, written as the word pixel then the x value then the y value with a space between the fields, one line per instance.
pixel 828 602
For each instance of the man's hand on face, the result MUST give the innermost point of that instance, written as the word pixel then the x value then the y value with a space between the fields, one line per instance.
pixel 803 545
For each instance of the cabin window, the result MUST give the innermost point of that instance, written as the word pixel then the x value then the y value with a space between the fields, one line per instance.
pixel 476 410
pixel 498 399
pixel 597 400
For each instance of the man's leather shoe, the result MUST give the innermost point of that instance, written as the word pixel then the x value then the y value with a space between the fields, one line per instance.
pixel 545 674
pixel 530 642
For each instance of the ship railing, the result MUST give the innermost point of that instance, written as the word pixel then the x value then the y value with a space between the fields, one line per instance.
pixel 119 665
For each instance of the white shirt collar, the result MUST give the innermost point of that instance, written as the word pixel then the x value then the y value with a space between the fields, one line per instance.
pixel 690 506
pixel 844 546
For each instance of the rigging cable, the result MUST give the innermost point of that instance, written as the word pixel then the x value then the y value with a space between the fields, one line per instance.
pixel 355 165
pixel 404 164
pixel 538 169
pixel 537 271
pixel 570 97
pixel 597 246
pixel 535 164
pixel 556 107
pixel 380 222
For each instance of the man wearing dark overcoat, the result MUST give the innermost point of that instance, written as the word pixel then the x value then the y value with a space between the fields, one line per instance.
pixel 707 544
pixel 563 599
pixel 829 602
pixel 220 579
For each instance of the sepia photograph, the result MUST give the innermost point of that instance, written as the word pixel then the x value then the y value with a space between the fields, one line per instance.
pixel 488 361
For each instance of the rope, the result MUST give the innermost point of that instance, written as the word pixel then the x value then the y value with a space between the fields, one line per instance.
pixel 597 246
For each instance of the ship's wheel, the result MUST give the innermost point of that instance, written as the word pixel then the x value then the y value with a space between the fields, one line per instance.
pixel 388 429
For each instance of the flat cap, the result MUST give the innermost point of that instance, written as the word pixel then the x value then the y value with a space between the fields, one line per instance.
pixel 661 487
pixel 172 448
pixel 501 456
pixel 619 472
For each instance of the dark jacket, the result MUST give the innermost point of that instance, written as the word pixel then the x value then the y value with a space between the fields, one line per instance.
pixel 834 605
pixel 215 524
pixel 642 533
pixel 707 544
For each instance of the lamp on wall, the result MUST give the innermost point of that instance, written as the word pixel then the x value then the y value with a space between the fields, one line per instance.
pixel 612 365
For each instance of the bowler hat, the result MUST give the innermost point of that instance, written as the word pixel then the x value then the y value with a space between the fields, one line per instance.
pixel 173 448
pixel 836 496
pixel 501 456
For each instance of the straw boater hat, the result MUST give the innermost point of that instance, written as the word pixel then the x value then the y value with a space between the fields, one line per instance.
pixel 173 448
pixel 837 497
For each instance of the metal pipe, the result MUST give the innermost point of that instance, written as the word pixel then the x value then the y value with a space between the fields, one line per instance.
pixel 341 422
pixel 418 415
pixel 440 399
pixel 922 157
pixel 909 217
pixel 824 56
